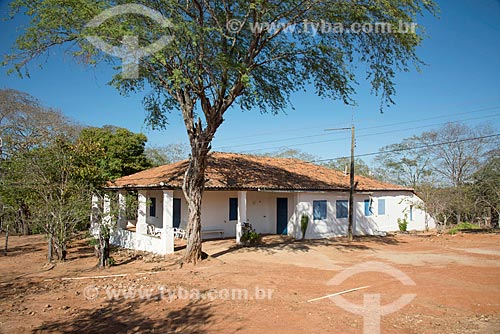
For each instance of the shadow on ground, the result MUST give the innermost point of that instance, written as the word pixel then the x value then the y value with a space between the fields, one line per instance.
pixel 126 317
pixel 22 249
pixel 272 244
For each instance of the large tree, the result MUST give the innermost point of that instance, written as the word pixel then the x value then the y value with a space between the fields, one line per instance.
pixel 120 151
pixel 254 54
pixel 457 151
pixel 445 166
pixel 342 164
pixel 486 187
pixel 404 163
pixel 25 124
pixel 163 155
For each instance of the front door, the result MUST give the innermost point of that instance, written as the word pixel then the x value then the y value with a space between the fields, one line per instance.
pixel 282 216
pixel 176 215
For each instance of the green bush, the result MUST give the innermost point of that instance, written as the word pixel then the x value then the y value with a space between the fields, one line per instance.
pixel 248 236
pixel 403 223
pixel 463 226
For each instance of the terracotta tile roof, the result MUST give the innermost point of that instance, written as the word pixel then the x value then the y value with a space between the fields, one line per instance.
pixel 230 171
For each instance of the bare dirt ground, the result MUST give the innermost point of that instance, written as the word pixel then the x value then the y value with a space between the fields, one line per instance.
pixel 456 283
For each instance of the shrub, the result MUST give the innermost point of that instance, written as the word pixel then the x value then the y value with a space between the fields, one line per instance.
pixel 463 226
pixel 248 235
pixel 403 223
pixel 304 221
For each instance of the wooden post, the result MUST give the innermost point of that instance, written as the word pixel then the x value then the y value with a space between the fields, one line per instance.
pixel 351 189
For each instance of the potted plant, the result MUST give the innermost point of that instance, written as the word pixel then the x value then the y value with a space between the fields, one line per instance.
pixel 304 222
pixel 248 235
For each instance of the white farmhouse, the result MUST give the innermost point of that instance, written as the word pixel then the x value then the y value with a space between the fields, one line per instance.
pixel 271 194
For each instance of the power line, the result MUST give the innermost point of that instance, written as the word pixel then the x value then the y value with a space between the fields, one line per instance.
pixel 407 148
pixel 360 129
pixel 360 136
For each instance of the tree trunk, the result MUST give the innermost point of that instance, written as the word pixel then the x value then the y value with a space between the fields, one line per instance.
pixel 193 187
pixel 494 218
pixel 6 242
pixel 61 252
pixel 23 215
pixel 103 248
pixel 49 248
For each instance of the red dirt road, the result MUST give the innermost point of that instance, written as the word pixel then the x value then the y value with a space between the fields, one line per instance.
pixel 258 290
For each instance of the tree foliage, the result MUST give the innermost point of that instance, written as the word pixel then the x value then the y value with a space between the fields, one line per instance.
pixel 402 164
pixel 486 186
pixel 50 168
pixel 119 151
pixel 209 67
pixel 291 153
pixel 452 168
pixel 455 159
pixel 342 164
pixel 163 155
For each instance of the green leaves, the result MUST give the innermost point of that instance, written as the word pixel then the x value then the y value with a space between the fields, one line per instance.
pixel 205 61
pixel 114 151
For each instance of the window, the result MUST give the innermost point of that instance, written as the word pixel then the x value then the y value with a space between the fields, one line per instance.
pixel 381 207
pixel 411 212
pixel 152 206
pixel 368 208
pixel 319 210
pixel 342 208
pixel 233 209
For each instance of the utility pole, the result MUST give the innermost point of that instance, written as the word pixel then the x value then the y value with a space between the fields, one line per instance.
pixel 351 188
pixel 351 182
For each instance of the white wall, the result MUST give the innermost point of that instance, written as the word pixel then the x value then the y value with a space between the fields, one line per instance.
pixel 261 212
pixel 157 220
pixel 329 227
pixel 137 241
pixel 396 204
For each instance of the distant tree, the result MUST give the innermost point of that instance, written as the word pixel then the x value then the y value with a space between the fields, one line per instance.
pixel 402 164
pixel 441 164
pixel 121 152
pixel 291 153
pixel 50 167
pixel 212 63
pixel 342 164
pixel 25 124
pixel 60 196
pixel 486 187
pixel 163 155
pixel 455 158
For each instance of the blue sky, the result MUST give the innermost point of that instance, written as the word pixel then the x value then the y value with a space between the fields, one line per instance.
pixel 460 82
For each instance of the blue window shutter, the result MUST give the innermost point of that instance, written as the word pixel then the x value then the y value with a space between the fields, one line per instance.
pixel 411 212
pixel 233 209
pixel 368 211
pixel 342 208
pixel 319 210
pixel 381 207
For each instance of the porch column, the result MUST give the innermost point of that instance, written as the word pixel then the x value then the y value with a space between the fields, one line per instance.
pixel 242 214
pixel 167 235
pixel 122 209
pixel 94 216
pixel 142 226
